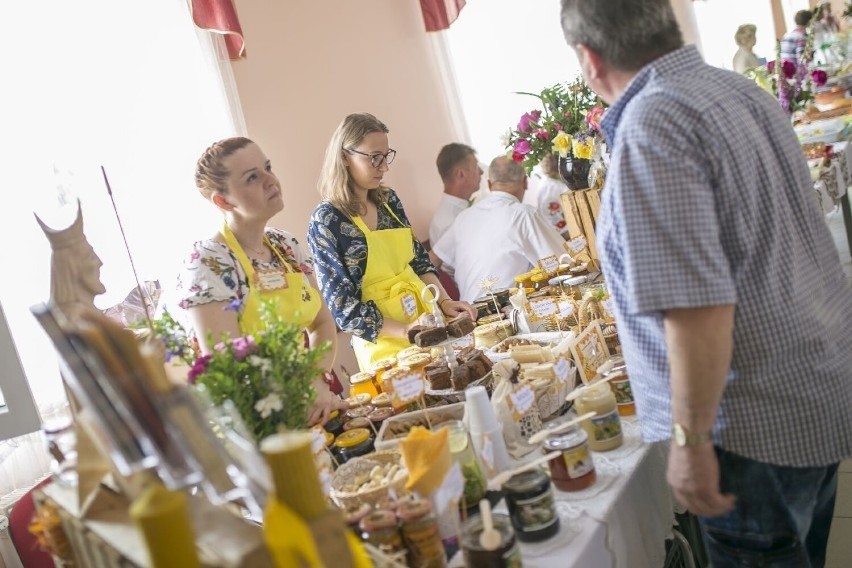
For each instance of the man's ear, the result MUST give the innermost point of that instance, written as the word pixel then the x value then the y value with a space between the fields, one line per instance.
pixel 221 202
pixel 591 63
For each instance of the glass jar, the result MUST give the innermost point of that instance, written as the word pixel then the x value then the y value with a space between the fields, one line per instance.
pixel 574 470
pixel 353 443
pixel 379 368
pixel 420 534
pixel 539 281
pixel 417 362
pixel 461 450
pixel 334 424
pixel 358 422
pixel 620 385
pixel 379 415
pixel 507 555
pixel 531 507
pixel 604 429
pixel 379 528
pixel 363 382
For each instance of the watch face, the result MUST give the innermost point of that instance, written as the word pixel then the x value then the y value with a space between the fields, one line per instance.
pixel 679 435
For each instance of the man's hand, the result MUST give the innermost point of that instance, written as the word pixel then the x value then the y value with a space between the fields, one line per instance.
pixel 693 474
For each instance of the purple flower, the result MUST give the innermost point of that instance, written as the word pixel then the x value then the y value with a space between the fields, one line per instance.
pixel 527 119
pixel 770 66
pixel 220 347
pixel 820 77
pixel 198 368
pixel 788 68
pixel 243 347
pixel 234 305
pixel 522 147
pixel 542 133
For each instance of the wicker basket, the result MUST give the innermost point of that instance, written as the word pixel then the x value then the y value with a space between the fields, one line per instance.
pixel 351 470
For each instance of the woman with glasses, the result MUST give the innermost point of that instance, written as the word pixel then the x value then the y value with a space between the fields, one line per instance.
pixel 227 278
pixel 370 266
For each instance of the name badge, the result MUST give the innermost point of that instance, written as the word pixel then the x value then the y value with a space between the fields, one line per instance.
pixel 270 279
pixel 409 304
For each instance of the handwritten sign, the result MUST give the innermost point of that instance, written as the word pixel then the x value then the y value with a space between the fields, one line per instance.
pixel 521 400
pixel 549 264
pixel 589 351
pixel 543 307
pixel 407 388
pixel 561 369
pixel 577 245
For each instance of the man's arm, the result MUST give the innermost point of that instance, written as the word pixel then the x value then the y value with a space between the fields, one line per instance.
pixel 700 346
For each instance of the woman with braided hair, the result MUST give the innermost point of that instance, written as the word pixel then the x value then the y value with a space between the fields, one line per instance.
pixel 227 277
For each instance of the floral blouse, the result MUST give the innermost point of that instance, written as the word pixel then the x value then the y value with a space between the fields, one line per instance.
pixel 339 249
pixel 212 273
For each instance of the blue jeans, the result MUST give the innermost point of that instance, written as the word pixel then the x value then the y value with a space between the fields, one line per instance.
pixel 782 515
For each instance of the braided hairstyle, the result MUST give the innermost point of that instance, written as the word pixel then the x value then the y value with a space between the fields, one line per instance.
pixel 211 175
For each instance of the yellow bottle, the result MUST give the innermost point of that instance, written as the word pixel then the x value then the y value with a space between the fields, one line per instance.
pixel 162 517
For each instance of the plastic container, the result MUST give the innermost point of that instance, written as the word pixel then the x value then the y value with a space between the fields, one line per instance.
pixel 507 555
pixel 574 470
pixel 529 498
pixel 461 450
pixel 604 430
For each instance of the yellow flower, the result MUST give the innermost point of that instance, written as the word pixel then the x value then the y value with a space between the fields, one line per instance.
pixel 562 144
pixel 583 148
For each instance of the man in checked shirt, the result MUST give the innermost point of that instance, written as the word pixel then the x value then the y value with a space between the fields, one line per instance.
pixel 734 314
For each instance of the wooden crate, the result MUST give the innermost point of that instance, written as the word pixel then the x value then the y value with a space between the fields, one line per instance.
pixel 581 209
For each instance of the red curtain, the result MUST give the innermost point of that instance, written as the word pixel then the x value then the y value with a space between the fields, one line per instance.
pixel 439 14
pixel 220 16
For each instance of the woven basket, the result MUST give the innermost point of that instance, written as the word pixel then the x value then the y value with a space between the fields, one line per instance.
pixel 355 468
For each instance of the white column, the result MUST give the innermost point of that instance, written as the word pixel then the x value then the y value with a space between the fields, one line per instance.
pixel 685 14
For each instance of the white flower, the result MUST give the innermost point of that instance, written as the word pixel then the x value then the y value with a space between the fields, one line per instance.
pixel 261 363
pixel 269 404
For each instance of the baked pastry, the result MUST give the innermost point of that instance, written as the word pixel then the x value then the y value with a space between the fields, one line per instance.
pixel 486 336
pixel 431 336
pixel 414 330
pixel 460 325
pixel 439 377
pixel 460 377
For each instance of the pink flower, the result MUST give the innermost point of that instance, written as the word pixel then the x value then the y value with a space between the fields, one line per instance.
pixel 529 117
pixel 198 368
pixel 243 347
pixel 522 147
pixel 568 114
pixel 820 77
pixel 557 126
pixel 220 347
pixel 788 68
pixel 594 116
pixel 542 133
pixel 770 66
pixel 517 157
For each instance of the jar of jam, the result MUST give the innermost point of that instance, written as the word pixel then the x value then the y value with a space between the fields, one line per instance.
pixel 379 528
pixel 620 385
pixel 353 443
pixel 334 424
pixel 507 555
pixel 574 470
pixel 604 429
pixel 417 362
pixel 529 498
pixel 420 534
pixel 363 382
pixel 539 281
pixel 380 367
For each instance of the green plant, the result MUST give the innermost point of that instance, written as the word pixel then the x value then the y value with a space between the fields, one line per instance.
pixel 174 337
pixel 267 376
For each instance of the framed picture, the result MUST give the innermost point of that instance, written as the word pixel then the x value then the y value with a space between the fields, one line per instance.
pixel 589 351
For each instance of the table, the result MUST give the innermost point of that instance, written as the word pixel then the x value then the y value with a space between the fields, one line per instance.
pixel 621 521
pixel 832 183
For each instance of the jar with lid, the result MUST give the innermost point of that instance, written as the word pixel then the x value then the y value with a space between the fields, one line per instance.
pixel 461 450
pixel 420 534
pixel 506 555
pixel 363 382
pixel 604 429
pixel 379 528
pixel 334 424
pixel 620 385
pixel 379 368
pixel 574 470
pixel 417 362
pixel 353 443
pixel 539 281
pixel 529 498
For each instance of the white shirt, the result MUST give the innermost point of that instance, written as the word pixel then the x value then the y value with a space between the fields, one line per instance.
pixel 544 194
pixel 496 237
pixel 448 210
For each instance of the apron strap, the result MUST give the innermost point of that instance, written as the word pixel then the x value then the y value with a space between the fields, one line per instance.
pixel 244 260
pixel 363 226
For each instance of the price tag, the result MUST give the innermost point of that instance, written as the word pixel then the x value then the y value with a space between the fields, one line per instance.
pixel 543 307
pixel 561 369
pixel 407 388
pixel 450 491
pixel 566 309
pixel 549 264
pixel 522 399
pixel 409 304
pixel 577 245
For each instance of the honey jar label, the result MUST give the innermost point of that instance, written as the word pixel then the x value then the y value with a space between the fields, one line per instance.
pixel 622 391
pixel 578 462
pixel 536 513
pixel 549 264
pixel 606 426
pixel 407 389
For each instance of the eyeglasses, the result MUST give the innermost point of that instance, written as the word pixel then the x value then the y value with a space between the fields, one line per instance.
pixel 377 158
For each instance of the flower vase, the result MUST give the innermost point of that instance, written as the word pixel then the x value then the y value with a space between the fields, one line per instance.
pixel 574 171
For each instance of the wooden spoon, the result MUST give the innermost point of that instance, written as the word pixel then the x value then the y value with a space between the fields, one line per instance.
pixel 497 482
pixel 541 435
pixel 489 539
pixel 580 390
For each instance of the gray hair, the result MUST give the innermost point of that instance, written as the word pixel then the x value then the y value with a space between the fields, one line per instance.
pixel 627 34
pixel 505 170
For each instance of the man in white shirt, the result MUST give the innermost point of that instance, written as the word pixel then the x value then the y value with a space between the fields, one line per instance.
pixel 461 175
pixel 498 236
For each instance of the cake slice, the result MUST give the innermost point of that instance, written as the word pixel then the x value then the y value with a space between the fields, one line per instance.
pixel 431 336
pixel 460 325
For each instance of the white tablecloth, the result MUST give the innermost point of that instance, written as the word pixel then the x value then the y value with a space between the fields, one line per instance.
pixel 621 521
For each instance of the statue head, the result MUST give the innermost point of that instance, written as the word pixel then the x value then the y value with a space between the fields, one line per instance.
pixel 746 36
pixel 75 269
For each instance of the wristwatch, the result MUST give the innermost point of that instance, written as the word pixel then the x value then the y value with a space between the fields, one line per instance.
pixel 684 438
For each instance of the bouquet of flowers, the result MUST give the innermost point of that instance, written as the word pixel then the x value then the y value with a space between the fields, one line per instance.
pixel 266 376
pixel 568 123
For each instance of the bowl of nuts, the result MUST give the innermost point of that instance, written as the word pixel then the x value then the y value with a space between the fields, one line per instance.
pixel 369 479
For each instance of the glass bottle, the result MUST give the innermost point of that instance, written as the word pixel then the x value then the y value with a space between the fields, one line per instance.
pixel 461 450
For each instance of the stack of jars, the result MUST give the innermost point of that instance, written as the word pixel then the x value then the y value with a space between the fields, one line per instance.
pixel 411 531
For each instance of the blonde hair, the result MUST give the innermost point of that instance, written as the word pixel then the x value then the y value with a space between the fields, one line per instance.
pixel 335 183
pixel 211 175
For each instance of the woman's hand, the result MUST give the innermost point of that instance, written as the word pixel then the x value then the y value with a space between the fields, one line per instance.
pixel 452 308
pixel 325 403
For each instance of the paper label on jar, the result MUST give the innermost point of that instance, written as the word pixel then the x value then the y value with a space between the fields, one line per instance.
pixel 535 513
pixel 521 399
pixel 549 264
pixel 578 461
pixel 561 369
pixel 407 389
pixel 621 389
pixel 606 426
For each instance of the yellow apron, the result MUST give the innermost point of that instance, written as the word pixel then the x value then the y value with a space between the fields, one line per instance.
pixel 392 284
pixel 296 299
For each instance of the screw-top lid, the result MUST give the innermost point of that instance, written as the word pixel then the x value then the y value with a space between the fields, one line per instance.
pixel 352 438
pixel 361 377
pixel 526 481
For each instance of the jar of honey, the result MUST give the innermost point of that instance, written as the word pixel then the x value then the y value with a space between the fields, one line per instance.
pixel 379 368
pixel 539 281
pixel 604 429
pixel 620 385
pixel 574 470
pixel 363 382
pixel 417 363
